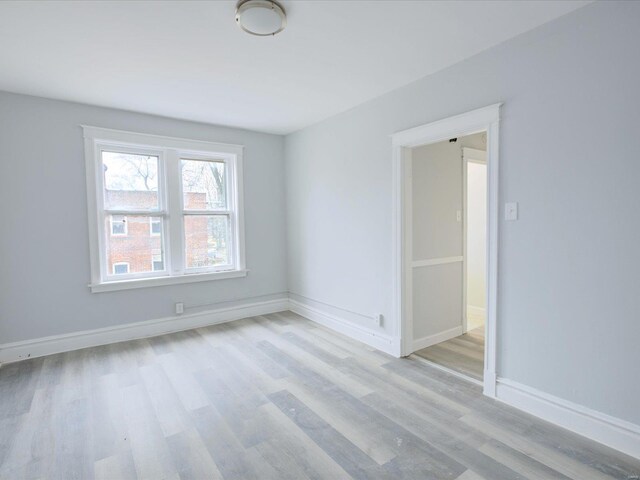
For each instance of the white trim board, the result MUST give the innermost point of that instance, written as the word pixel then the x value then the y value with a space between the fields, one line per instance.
pixel 483 119
pixel 610 431
pixel 11 352
pixel 365 335
pixel 424 342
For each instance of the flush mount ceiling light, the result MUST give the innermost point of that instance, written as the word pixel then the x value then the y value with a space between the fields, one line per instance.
pixel 260 17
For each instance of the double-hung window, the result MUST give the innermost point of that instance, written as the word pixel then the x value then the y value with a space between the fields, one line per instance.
pixel 162 210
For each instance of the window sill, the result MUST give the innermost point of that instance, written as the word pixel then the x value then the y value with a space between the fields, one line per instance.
pixel 160 281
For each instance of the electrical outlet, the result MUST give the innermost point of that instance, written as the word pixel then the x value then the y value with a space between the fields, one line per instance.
pixel 511 211
pixel 379 319
pixel 179 308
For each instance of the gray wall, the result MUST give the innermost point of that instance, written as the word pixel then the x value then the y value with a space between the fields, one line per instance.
pixel 44 246
pixel 568 315
pixel 436 180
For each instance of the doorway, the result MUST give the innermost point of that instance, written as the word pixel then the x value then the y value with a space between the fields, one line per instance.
pixel 448 183
pixel 435 293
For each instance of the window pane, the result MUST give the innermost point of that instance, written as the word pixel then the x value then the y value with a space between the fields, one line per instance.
pixel 203 185
pixel 139 248
pixel 207 240
pixel 130 181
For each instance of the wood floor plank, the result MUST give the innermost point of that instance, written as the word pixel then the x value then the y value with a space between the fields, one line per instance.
pixel 339 448
pixel 191 457
pixel 274 397
pixel 464 354
pixel 230 457
pixel 148 445
pixel 119 465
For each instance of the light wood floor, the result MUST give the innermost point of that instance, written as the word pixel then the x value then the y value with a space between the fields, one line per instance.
pixel 273 397
pixel 464 354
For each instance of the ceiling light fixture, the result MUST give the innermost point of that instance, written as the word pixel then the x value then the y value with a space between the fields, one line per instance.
pixel 260 17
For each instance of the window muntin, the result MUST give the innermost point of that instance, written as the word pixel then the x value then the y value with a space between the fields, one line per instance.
pixel 164 211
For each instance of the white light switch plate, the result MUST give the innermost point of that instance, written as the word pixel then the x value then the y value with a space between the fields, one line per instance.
pixel 458 215
pixel 511 211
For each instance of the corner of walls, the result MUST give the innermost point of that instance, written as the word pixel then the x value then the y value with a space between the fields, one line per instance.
pixel 335 318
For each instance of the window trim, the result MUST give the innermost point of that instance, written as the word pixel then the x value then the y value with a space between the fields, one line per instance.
pixel 169 150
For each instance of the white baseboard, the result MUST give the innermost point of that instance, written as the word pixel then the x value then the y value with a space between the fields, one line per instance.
pixel 610 431
pixel 365 335
pixel 424 342
pixel 11 352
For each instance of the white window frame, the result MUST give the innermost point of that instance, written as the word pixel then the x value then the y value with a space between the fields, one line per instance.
pixel 126 227
pixel 170 151
pixel 113 268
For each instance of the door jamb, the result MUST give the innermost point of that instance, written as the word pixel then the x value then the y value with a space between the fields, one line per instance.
pixel 469 155
pixel 483 119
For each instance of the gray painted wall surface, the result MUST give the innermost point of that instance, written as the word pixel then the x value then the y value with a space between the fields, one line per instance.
pixel 568 316
pixel 436 178
pixel 44 246
pixel 437 194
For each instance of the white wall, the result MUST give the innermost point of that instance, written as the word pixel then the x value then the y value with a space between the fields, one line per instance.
pixel 44 246
pixel 476 255
pixel 567 306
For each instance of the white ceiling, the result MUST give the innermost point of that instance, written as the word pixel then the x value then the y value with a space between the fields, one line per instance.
pixel 189 60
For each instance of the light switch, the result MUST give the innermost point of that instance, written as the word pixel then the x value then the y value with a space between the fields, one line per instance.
pixel 511 211
pixel 458 215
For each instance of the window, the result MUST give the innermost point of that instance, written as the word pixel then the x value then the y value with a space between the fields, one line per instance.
pixel 157 264
pixel 120 268
pixel 118 225
pixel 155 227
pixel 162 210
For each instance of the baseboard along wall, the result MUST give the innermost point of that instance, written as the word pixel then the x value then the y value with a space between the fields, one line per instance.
pixel 11 352
pixel 613 432
pixel 424 342
pixel 610 431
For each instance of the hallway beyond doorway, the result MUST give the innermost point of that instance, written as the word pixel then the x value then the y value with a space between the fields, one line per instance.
pixel 463 354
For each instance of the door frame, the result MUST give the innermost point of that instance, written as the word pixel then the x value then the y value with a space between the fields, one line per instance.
pixel 483 119
pixel 469 155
